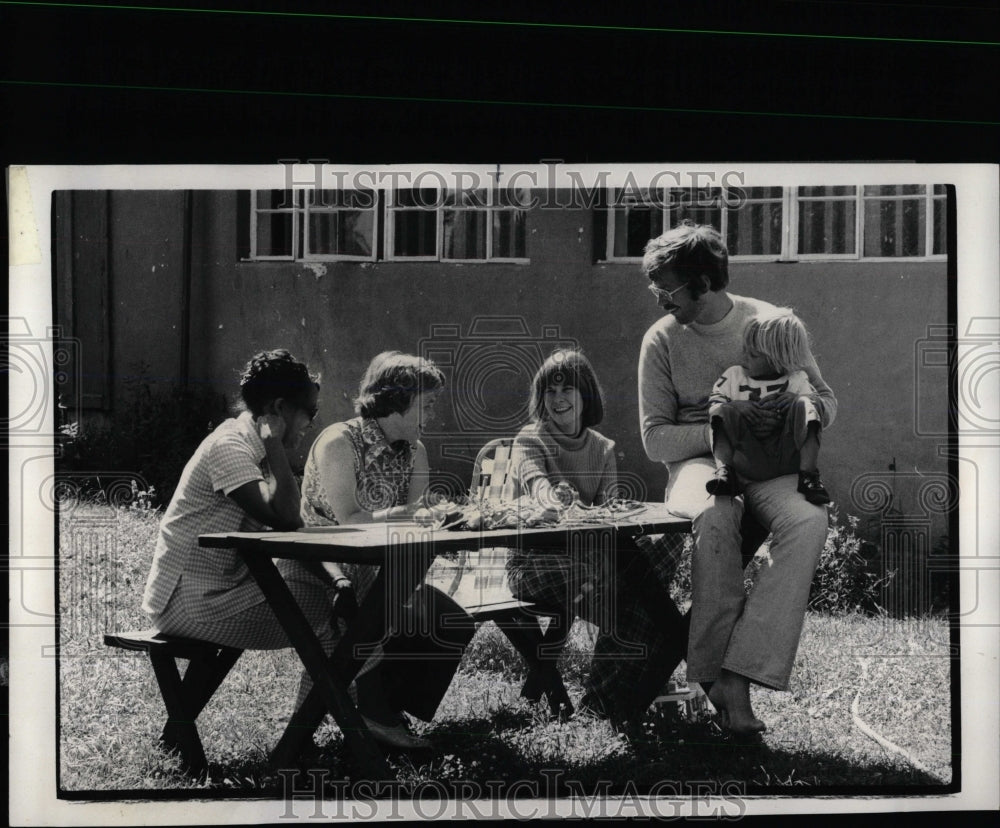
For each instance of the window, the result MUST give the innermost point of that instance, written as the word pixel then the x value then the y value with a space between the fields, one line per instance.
pixel 770 223
pixel 313 225
pixel 749 220
pixel 419 225
pixel 340 224
pixel 827 222
pixel 902 221
pixel 457 225
pixel 274 224
pixel 754 224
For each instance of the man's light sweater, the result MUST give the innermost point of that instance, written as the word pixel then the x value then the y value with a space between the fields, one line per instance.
pixel 679 364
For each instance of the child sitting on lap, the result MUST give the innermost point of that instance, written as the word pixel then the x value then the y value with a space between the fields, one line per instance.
pixel 775 346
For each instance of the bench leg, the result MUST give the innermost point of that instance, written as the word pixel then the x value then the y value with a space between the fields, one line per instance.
pixel 180 721
pixel 201 679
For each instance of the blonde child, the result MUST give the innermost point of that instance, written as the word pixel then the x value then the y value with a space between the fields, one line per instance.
pixel 775 347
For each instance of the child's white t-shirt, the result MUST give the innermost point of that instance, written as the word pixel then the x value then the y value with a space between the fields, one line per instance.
pixel 736 385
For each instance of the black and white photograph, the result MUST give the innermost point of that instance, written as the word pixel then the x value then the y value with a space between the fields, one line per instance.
pixel 471 471
pixel 485 370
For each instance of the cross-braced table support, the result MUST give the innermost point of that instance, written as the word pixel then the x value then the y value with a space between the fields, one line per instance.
pixel 331 675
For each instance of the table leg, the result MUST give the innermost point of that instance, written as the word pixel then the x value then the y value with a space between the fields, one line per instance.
pixel 328 687
pixel 375 615
pixel 536 648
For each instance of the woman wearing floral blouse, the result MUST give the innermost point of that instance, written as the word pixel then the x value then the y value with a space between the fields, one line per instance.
pixel 374 468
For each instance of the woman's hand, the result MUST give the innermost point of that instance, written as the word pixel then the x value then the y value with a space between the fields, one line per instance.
pixel 270 426
pixel 403 512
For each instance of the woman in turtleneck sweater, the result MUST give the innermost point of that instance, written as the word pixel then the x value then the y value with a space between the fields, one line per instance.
pixel 558 458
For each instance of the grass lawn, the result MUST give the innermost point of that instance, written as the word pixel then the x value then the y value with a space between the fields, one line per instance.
pixel 895 675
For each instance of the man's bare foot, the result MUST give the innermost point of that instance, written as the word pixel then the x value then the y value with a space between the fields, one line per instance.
pixel 730 695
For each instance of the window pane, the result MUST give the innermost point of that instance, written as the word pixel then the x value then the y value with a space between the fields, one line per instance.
pixel 819 192
pixel 699 215
pixel 894 227
pixel 427 197
pixel 356 199
pixel 465 234
pixel 755 230
pixel 274 234
pixel 275 199
pixel 512 197
pixel 940 246
pixel 344 232
pixel 894 190
pixel 826 226
pixel 763 192
pixel 509 234
pixel 415 233
pixel 634 226
pixel 467 198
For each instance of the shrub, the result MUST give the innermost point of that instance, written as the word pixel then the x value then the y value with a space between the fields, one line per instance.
pixel 152 433
pixel 680 587
pixel 847 577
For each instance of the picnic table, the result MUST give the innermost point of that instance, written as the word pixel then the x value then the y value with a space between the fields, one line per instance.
pixel 408 550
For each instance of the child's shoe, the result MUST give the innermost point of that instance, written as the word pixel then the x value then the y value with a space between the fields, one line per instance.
pixel 812 487
pixel 723 483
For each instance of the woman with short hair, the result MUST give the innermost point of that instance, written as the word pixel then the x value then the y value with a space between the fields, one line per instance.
pixel 374 468
pixel 239 479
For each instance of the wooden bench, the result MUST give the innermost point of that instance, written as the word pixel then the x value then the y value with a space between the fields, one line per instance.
pixel 483 593
pixel 208 665
pixel 478 582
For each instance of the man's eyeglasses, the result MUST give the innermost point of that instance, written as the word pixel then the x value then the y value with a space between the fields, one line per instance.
pixel 312 412
pixel 660 293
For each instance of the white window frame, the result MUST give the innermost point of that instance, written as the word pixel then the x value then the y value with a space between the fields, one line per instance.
pixel 308 208
pixel 724 229
pixel 391 211
pixel 793 234
pixel 929 198
pixel 300 211
pixel 255 211
pixel 762 257
pixel 790 204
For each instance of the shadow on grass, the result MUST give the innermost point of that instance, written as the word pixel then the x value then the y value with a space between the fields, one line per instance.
pixel 516 753
pixel 509 755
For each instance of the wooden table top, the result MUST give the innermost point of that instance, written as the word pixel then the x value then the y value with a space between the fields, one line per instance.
pixel 371 542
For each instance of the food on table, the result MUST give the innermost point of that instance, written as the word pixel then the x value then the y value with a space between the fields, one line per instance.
pixel 525 512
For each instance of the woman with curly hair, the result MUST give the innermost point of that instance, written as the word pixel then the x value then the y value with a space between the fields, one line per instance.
pixel 239 479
